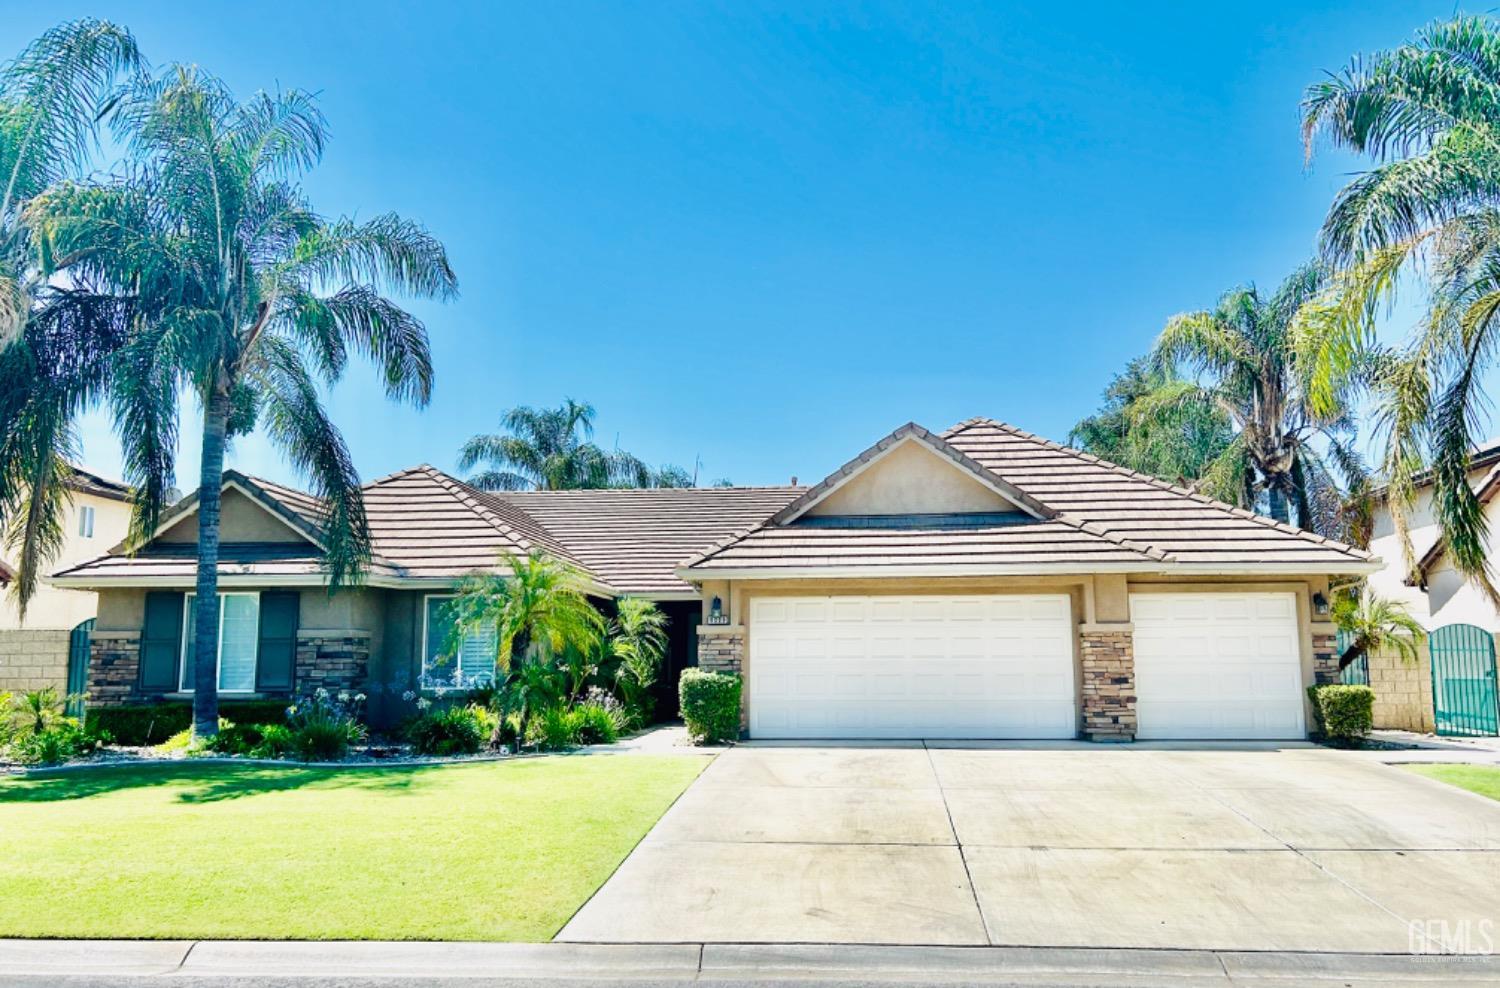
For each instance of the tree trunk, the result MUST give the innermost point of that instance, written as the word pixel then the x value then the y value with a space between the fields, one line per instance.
pixel 206 607
pixel 1278 503
pixel 1356 648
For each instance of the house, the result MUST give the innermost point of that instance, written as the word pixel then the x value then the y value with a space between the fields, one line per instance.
pixel 1451 687
pixel 982 583
pixel 34 652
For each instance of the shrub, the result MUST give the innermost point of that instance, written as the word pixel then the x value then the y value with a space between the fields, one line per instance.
pixel 57 742
pixel 145 725
pixel 323 727
pixel 455 730
pixel 594 723
pixel 710 705
pixel 1344 714
pixel 553 728
pixel 236 739
pixel 276 741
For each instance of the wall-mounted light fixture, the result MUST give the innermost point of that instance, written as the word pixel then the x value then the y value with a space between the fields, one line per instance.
pixel 716 613
pixel 1320 603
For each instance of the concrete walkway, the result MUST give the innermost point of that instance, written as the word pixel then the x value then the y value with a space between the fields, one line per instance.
pixel 182 963
pixel 1219 848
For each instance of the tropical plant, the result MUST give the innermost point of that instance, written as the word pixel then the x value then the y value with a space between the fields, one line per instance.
pixel 542 622
pixel 1427 114
pixel 51 97
pixel 638 640
pixel 1285 454
pixel 457 729
pixel 323 726
pixel 204 267
pixel 35 711
pixel 1177 444
pixel 549 449
pixel 1373 623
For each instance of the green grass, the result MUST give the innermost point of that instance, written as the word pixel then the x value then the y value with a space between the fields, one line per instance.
pixel 490 851
pixel 1483 779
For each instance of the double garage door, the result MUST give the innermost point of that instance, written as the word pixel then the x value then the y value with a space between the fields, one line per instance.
pixel 1001 666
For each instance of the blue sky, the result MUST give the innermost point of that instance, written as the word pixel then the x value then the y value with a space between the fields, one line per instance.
pixel 767 234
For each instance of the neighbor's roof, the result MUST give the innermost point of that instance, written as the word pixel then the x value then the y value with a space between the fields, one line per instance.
pixel 1099 516
pixel 91 483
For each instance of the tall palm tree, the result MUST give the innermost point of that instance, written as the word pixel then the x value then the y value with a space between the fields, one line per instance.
pixel 1284 452
pixel 204 267
pixel 51 97
pixel 1176 445
pixel 1427 114
pixel 549 449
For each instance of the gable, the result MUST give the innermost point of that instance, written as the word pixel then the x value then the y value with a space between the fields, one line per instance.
pixel 912 479
pixel 241 519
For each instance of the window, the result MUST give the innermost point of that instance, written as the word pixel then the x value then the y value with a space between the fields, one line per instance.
pixel 474 662
pixel 239 642
pixel 86 521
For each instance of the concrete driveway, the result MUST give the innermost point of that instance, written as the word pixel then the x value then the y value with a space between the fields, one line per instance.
pixel 1061 845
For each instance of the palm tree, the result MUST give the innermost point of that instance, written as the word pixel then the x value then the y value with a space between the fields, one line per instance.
pixel 549 449
pixel 1283 450
pixel 638 638
pixel 204 267
pixel 538 613
pixel 51 97
pixel 1373 623
pixel 1177 446
pixel 1427 114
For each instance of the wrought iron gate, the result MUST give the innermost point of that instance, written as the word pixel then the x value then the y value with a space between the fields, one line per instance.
pixel 1356 673
pixel 78 666
pixel 1464 698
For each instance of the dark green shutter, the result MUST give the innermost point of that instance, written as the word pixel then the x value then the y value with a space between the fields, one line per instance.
pixel 278 641
pixel 161 641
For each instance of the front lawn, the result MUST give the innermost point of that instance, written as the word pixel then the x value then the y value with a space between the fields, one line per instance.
pixel 1483 779
pixel 490 851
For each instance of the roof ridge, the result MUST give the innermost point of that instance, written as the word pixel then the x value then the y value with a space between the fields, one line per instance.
pixel 403 472
pixel 464 494
pixel 1182 491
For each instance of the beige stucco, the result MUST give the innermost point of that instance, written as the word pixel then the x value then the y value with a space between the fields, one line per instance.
pixel 911 479
pixel 1403 689
pixel 53 608
pixel 240 520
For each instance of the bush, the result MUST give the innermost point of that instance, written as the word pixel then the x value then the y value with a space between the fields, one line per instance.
pixel 710 705
pixel 455 730
pixel 276 741
pixel 1344 714
pixel 150 724
pixel 57 742
pixel 236 739
pixel 552 729
pixel 323 727
pixel 594 723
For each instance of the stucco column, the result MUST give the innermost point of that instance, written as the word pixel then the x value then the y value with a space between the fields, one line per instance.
pixel 1107 657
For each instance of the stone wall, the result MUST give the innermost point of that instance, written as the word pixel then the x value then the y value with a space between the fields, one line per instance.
pixel 721 648
pixel 114 668
pixel 1107 657
pixel 1403 690
pixel 33 660
pixel 1325 645
pixel 332 660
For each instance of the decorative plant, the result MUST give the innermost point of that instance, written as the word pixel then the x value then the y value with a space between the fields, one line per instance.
pixel 1374 623
pixel 638 639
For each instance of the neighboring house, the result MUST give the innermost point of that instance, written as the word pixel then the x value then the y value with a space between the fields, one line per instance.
pixel 981 583
pixel 1459 696
pixel 34 653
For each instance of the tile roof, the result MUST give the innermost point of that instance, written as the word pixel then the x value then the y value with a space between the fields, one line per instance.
pixel 1085 513
pixel 1097 514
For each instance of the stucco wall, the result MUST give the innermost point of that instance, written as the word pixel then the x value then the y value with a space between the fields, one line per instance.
pixel 911 479
pixel 1403 690
pixel 240 520
pixel 53 608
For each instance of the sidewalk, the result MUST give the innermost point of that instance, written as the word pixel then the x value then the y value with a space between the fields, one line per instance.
pixel 165 962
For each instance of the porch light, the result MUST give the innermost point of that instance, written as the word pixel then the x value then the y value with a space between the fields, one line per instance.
pixel 716 612
pixel 1320 603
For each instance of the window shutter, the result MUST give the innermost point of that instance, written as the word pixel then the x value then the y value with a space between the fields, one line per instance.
pixel 278 640
pixel 161 641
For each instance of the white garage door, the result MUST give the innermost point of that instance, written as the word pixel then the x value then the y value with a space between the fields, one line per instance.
pixel 1217 665
pixel 911 667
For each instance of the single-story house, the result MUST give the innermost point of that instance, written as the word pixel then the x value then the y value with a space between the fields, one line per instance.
pixel 979 583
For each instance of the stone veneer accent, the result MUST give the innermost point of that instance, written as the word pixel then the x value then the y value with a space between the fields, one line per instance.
pixel 1108 662
pixel 114 668
pixel 33 659
pixel 331 660
pixel 1325 644
pixel 721 648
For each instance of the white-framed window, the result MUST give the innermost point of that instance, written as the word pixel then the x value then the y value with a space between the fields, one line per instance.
pixel 471 664
pixel 86 521
pixel 239 642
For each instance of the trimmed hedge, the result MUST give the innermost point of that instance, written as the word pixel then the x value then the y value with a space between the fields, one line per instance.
pixel 153 723
pixel 1344 714
pixel 710 704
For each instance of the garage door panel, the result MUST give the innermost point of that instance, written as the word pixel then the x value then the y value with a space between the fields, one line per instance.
pixel 962 666
pixel 1216 665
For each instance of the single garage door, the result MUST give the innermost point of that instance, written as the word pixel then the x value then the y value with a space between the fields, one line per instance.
pixel 1217 665
pixel 912 667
